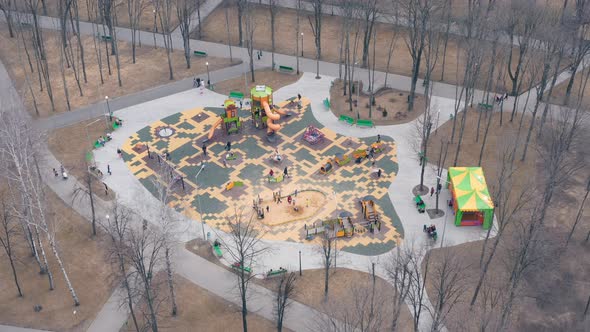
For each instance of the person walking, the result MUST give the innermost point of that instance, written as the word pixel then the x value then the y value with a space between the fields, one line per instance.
pixel 378 138
pixel 109 169
pixel 55 173
pixel 379 173
pixel 228 146
pixel 204 148
pixel 431 191
pixel 286 172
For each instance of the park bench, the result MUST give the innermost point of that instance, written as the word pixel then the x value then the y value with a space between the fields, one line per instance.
pixel 236 95
pixel 485 107
pixel 365 123
pixel 286 69
pixel 217 251
pixel 275 273
pixel 106 37
pixel 200 53
pixel 420 205
pixel 327 103
pixel 238 267
pixel 346 119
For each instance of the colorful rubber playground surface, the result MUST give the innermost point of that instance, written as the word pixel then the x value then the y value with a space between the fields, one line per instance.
pixel 320 197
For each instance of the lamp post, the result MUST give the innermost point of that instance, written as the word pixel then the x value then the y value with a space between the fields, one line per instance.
pixel 89 141
pixel 244 59
pixel 109 108
pixel 302 44
pixel 155 29
pixel 358 88
pixel 199 200
pixel 208 76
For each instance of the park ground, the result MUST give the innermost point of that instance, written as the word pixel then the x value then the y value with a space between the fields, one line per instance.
pixel 150 70
pixel 448 69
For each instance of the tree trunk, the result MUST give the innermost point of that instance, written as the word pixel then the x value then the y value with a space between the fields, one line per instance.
pixel 170 282
pixel 46 268
pixel 63 270
pixel 579 215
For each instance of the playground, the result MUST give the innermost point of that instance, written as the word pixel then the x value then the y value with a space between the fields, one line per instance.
pixel 272 160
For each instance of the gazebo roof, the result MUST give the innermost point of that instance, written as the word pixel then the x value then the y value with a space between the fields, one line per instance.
pixel 470 189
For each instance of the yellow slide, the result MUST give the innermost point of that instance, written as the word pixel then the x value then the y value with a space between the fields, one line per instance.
pixel 215 125
pixel 271 117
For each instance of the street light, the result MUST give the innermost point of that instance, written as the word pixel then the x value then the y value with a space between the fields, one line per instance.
pixel 302 44
pixel 109 108
pixel 208 77
pixel 358 88
pixel 199 199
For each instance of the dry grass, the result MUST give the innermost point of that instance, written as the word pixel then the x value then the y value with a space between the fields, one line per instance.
pixel 146 20
pixel 150 70
pixel 70 145
pixel 580 88
pixel 87 267
pixel 214 30
pixel 345 288
pixel 201 310
pixel 500 140
pixel 393 101
pixel 267 77
pixel 310 288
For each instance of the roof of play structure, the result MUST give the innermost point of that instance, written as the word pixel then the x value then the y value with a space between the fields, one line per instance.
pixel 260 91
pixel 471 190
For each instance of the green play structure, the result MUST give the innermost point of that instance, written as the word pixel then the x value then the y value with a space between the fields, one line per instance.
pixel 471 199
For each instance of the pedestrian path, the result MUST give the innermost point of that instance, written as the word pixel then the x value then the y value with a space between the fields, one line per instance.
pixel 206 8
pixel 6 328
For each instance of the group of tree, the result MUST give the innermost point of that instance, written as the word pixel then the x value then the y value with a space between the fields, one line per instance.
pixel 33 42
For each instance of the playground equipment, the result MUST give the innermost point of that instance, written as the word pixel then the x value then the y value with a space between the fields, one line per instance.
pixel 342 159
pixel 369 211
pixel 230 119
pixel 232 184
pixel 471 199
pixel 327 168
pixel 263 115
pixel 312 135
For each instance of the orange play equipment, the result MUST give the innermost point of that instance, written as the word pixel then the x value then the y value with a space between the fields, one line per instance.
pixel 230 119
pixel 263 114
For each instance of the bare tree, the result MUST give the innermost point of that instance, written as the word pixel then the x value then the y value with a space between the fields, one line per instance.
pixel 370 13
pixel 249 27
pixel 284 293
pixel 418 15
pixel 134 10
pixel 273 9
pixel 579 215
pixel 448 279
pixel 226 10
pixel 117 226
pixel 6 7
pixel 184 10
pixel 244 247
pixel 242 6
pixel 316 28
pixel 399 274
pixel 164 12
pixel 297 29
pixel 417 275
pixel 327 248
pixel 86 191
pixel 581 47
pixel 8 232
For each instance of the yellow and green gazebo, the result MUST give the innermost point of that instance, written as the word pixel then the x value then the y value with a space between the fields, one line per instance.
pixel 471 199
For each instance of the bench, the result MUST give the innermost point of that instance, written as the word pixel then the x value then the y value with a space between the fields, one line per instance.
pixel 327 103
pixel 286 69
pixel 420 205
pixel 200 53
pixel 106 37
pixel 275 273
pixel 365 123
pixel 236 95
pixel 346 119
pixel 239 267
pixel 485 107
pixel 217 251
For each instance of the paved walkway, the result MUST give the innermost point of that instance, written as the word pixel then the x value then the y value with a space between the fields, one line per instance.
pixel 206 8
pixel 6 328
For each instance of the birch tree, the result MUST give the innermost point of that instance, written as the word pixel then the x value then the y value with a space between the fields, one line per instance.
pixel 316 28
pixel 273 9
pixel 8 233
pixel 164 13
pixel 184 10
pixel 244 247
pixel 250 27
